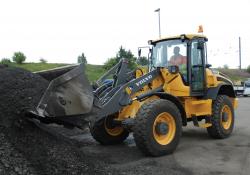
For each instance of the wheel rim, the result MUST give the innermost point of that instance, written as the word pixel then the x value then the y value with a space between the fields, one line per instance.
pixel 226 123
pixel 167 119
pixel 114 131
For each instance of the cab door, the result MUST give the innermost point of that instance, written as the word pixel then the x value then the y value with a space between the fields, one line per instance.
pixel 197 68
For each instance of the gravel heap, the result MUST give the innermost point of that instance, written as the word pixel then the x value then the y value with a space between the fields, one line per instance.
pixel 25 148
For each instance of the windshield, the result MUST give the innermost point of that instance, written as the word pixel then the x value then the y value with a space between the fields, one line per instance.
pixel 166 51
pixel 247 84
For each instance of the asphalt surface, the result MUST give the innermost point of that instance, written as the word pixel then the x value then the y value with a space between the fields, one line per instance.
pixel 197 153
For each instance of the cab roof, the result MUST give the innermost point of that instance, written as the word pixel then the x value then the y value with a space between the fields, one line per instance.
pixel 182 36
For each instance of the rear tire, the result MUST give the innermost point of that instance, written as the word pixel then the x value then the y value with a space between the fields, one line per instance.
pixel 107 135
pixel 222 128
pixel 148 138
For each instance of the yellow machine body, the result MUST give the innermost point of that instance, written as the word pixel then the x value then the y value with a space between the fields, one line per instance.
pixel 177 87
pixel 173 84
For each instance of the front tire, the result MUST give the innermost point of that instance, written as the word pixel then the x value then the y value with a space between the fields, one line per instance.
pixel 106 134
pixel 157 128
pixel 222 118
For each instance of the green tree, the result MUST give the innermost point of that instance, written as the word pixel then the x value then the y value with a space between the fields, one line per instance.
pixel 143 61
pixel 127 54
pixel 82 59
pixel 19 57
pixel 110 63
pixel 5 61
pixel 42 60
pixel 248 69
pixel 122 53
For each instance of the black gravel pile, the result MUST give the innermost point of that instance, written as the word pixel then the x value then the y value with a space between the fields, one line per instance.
pixel 19 90
pixel 24 148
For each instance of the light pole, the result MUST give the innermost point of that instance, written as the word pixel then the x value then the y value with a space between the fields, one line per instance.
pixel 240 53
pixel 159 15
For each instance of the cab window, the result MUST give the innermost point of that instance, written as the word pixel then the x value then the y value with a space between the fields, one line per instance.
pixel 171 52
pixel 197 67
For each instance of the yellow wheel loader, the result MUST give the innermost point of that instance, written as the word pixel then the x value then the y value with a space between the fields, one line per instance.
pixel 153 103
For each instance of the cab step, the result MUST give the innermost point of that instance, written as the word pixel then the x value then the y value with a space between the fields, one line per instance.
pixel 201 125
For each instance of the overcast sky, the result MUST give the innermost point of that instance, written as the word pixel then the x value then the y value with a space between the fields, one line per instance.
pixel 60 30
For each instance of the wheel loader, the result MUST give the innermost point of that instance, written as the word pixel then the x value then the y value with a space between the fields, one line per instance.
pixel 154 102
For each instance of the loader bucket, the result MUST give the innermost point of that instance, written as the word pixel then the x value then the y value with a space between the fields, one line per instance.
pixel 67 95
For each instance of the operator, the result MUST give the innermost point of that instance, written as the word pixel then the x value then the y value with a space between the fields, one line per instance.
pixel 180 61
pixel 177 59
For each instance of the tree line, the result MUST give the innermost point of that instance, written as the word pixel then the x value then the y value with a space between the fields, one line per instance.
pixel 19 58
pixel 122 53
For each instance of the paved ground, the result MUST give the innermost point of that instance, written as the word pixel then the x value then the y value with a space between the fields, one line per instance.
pixel 197 153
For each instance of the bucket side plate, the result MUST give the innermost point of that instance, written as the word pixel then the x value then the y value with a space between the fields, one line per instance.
pixel 68 95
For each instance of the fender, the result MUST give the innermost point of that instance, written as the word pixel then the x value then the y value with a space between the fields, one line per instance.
pixel 176 101
pixel 221 89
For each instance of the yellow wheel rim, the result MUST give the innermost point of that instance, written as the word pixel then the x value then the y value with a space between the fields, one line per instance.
pixel 167 119
pixel 116 131
pixel 226 124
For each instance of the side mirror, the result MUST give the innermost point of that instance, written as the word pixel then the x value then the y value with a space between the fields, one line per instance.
pixel 139 52
pixel 173 69
pixel 208 65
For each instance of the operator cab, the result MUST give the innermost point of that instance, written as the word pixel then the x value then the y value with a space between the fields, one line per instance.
pixel 188 53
